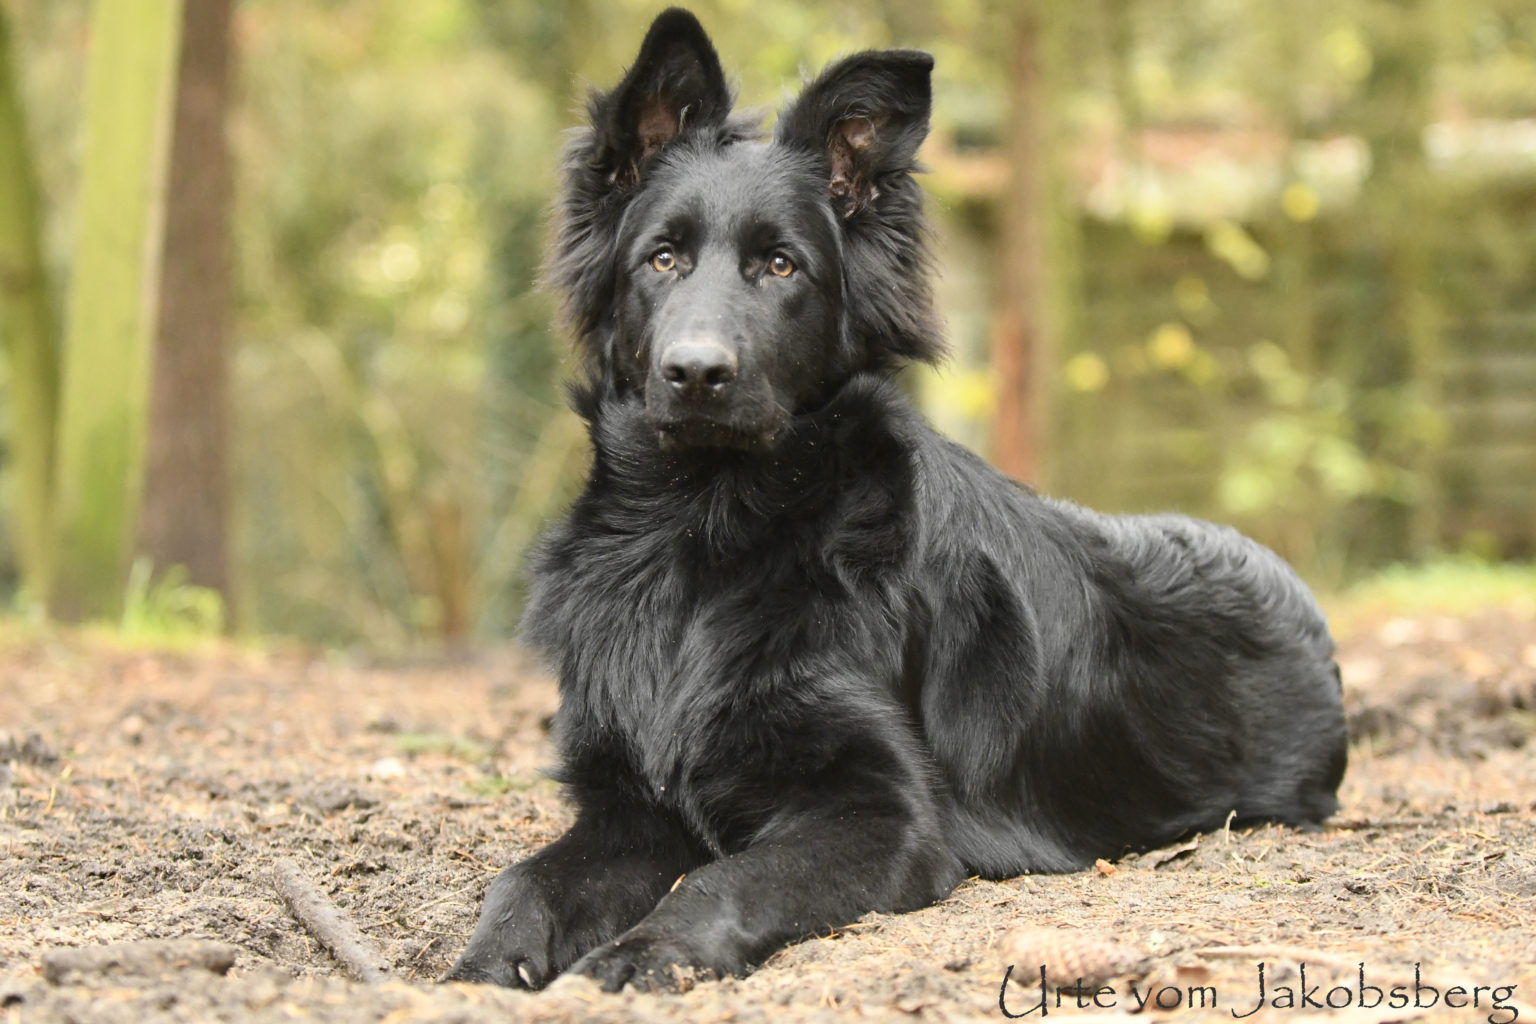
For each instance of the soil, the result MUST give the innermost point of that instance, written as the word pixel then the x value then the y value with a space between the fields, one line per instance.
pixel 149 796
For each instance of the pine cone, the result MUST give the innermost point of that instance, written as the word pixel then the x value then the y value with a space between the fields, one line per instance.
pixel 1070 955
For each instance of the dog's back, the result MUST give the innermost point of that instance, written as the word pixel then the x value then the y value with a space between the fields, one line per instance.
pixel 1142 676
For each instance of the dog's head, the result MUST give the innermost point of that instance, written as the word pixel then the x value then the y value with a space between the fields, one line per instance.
pixel 732 282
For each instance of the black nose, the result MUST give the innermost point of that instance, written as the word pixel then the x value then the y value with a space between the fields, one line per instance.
pixel 698 368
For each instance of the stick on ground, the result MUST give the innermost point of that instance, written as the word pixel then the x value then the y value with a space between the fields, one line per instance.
pixel 311 908
pixel 1390 975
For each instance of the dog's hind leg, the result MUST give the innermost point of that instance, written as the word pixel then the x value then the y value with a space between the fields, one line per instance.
pixel 598 879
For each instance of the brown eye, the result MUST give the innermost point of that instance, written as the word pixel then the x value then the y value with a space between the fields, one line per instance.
pixel 781 265
pixel 662 260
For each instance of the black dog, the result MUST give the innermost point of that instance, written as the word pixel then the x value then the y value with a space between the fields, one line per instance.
pixel 814 659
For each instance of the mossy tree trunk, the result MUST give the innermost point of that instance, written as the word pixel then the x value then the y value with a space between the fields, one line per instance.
pixel 29 330
pixel 112 302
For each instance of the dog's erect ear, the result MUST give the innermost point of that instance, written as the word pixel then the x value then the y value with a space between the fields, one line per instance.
pixel 675 85
pixel 865 118
pixel 674 90
pixel 868 113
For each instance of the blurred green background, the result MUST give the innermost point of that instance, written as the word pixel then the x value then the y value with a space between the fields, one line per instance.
pixel 276 358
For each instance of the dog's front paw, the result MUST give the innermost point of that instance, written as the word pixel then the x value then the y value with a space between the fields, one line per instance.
pixel 514 944
pixel 509 970
pixel 647 964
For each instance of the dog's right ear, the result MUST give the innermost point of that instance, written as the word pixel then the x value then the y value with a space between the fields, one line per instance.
pixel 675 86
pixel 674 89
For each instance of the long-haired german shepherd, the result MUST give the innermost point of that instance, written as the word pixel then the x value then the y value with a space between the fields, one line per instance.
pixel 814 659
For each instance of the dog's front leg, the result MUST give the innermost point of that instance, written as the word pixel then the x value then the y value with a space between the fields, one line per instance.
pixel 846 847
pixel 589 885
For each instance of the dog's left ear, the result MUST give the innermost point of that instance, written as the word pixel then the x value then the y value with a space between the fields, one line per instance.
pixel 675 85
pixel 868 114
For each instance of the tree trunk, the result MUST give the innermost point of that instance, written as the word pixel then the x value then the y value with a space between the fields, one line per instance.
pixel 29 330
pixel 1021 341
pixel 112 303
pixel 185 514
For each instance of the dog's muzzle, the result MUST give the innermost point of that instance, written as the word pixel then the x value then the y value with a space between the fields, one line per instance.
pixel 697 398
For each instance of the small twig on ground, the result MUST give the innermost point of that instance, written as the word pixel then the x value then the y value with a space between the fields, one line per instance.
pixel 312 909
pixel 1366 824
pixel 1296 954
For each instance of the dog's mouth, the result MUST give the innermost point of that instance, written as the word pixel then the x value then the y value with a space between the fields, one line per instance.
pixel 749 421
pixel 681 435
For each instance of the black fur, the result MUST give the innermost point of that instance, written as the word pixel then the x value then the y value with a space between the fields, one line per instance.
pixel 814 659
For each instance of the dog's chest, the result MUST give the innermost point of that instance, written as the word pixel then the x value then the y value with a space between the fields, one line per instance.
pixel 695 680
pixel 645 654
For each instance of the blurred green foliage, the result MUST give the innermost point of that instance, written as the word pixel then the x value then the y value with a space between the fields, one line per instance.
pixel 1451 586
pixel 167 609
pixel 1296 230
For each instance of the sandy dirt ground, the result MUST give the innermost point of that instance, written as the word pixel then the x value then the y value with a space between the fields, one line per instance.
pixel 148 796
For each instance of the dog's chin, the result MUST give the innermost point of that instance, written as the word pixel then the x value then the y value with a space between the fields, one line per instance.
pixel 695 435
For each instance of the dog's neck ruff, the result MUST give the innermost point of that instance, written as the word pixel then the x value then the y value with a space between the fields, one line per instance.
pixel 727 497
